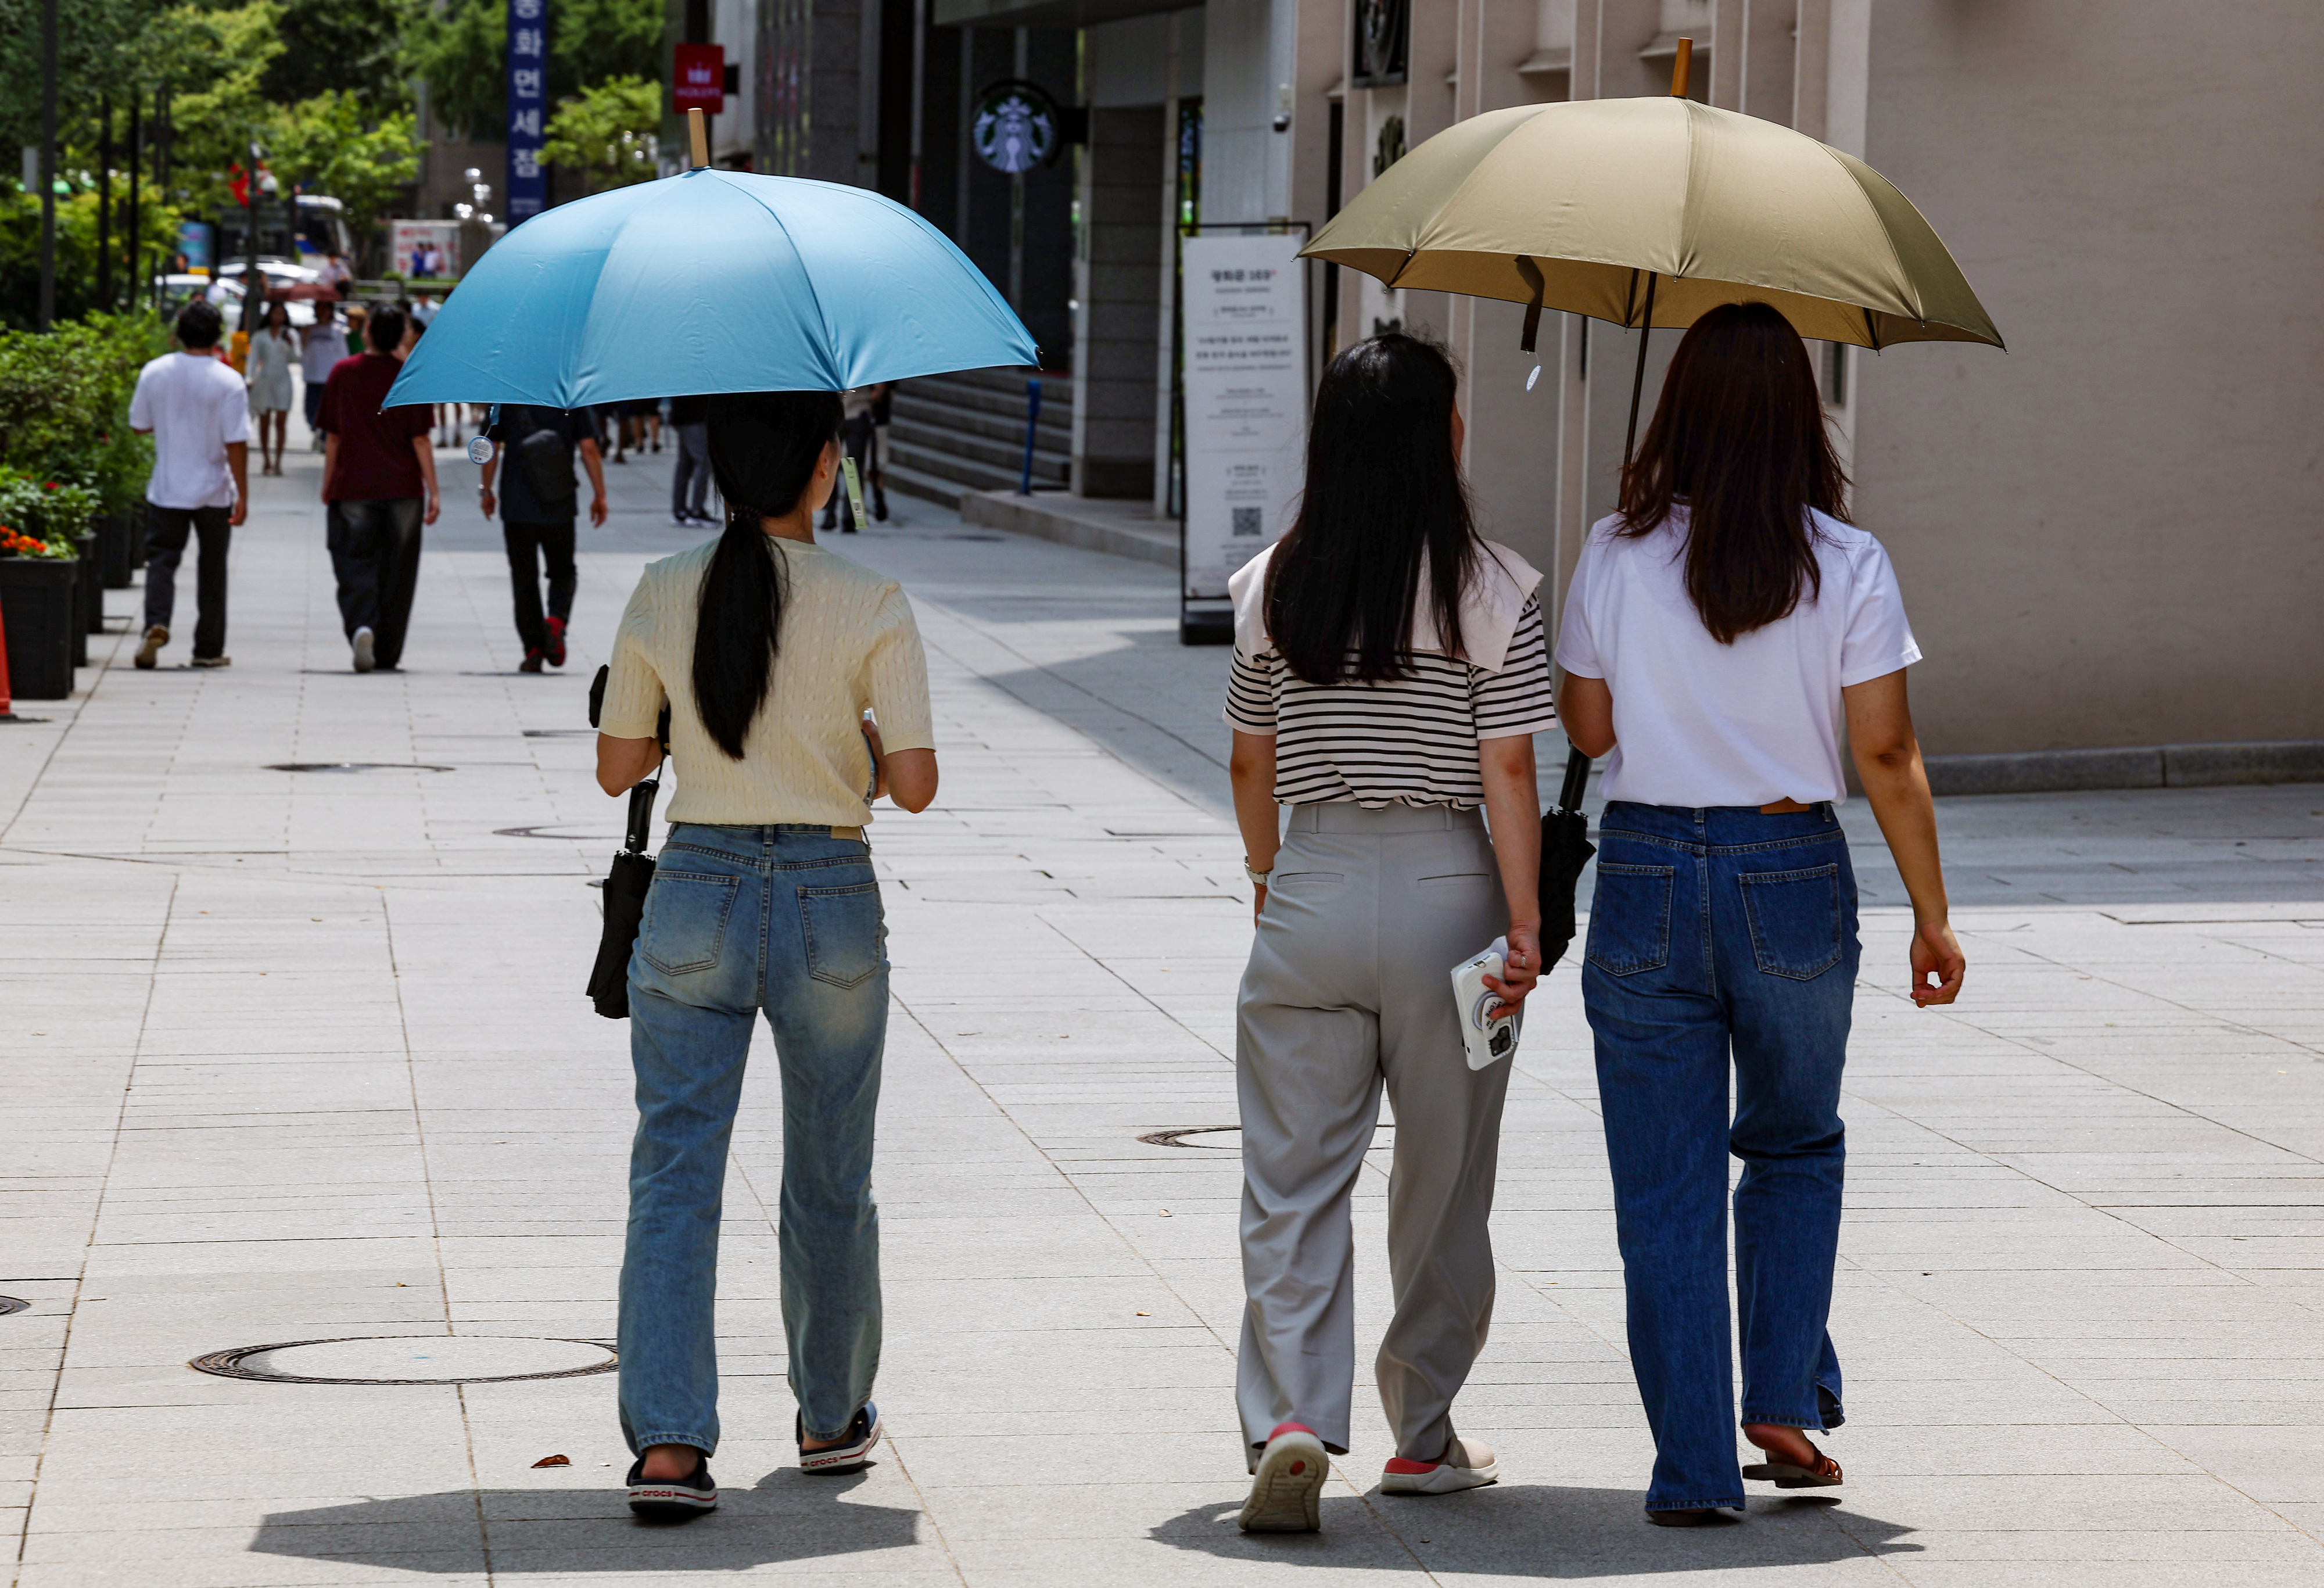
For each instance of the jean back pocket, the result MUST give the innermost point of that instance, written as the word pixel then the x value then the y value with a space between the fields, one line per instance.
pixel 1794 919
pixel 843 928
pixel 1629 917
pixel 684 924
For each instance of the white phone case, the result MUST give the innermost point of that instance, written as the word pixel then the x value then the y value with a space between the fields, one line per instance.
pixel 1488 1042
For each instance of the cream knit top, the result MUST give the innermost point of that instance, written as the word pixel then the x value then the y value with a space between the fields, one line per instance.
pixel 848 644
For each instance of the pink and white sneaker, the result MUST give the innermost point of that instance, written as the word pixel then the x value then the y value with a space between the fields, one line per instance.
pixel 1467 1464
pixel 1287 1483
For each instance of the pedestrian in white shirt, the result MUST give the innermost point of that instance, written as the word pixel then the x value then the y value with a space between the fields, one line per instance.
pixel 193 404
pixel 321 347
pixel 1719 631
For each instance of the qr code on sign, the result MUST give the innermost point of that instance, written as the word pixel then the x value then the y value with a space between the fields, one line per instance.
pixel 1246 520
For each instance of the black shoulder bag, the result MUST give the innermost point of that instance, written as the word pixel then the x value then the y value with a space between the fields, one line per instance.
pixel 1565 849
pixel 626 883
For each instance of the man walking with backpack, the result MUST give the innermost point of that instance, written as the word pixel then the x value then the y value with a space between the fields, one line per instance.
pixel 538 504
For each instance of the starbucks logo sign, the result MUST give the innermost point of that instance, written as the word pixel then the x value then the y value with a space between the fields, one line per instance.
pixel 1016 127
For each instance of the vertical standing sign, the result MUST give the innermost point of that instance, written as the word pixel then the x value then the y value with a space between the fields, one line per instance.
pixel 1245 341
pixel 527 192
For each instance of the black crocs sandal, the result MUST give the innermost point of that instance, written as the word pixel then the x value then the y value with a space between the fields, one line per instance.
pixel 671 1500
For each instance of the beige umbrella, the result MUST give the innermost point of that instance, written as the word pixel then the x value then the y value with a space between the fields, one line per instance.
pixel 1651 212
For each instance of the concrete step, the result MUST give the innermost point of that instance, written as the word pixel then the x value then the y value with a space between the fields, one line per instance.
pixel 938 417
pixel 1004 451
pixel 970 471
pixel 955 394
pixel 935 488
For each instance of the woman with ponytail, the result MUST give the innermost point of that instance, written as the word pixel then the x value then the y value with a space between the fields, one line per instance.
pixel 768 650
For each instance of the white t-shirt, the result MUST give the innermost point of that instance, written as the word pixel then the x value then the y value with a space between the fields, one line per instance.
pixel 1701 724
pixel 321 350
pixel 194 404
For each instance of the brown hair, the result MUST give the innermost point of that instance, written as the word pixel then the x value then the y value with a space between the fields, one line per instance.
pixel 1738 443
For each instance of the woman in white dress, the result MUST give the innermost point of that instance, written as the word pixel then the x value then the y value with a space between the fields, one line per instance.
pixel 272 353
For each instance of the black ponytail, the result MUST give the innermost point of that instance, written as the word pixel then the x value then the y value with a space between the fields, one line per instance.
pixel 763 448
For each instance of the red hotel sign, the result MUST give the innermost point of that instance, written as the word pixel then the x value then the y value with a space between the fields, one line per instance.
pixel 700 81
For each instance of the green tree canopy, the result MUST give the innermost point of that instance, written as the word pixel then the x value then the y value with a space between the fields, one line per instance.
pixel 353 45
pixel 607 133
pixel 461 50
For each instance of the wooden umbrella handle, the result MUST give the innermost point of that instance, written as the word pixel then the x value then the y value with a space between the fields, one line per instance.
pixel 1680 65
pixel 698 132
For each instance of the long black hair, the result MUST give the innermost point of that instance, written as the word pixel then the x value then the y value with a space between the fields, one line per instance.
pixel 1384 497
pixel 763 448
pixel 1739 439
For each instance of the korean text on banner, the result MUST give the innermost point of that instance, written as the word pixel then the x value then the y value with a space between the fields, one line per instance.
pixel 1246 385
pixel 527 193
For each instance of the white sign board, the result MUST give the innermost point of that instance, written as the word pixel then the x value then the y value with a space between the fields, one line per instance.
pixel 425 248
pixel 1246 385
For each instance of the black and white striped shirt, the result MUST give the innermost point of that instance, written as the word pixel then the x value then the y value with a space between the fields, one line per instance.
pixel 1405 741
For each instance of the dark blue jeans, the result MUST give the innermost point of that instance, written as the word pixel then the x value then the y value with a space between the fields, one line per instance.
pixel 784 922
pixel 1719 932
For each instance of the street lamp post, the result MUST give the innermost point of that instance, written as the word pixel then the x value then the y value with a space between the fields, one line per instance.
pixel 250 293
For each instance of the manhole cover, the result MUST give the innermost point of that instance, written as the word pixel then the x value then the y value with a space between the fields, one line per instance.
pixel 354 766
pixel 1179 1138
pixel 556 830
pixel 411 1359
pixel 1230 1137
pixel 9 1304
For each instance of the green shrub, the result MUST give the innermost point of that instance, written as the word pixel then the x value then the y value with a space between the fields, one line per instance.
pixel 64 405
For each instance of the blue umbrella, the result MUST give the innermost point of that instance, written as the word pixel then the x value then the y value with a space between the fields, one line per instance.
pixel 712 281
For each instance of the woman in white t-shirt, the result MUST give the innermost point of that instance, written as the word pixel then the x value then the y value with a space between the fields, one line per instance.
pixel 1721 630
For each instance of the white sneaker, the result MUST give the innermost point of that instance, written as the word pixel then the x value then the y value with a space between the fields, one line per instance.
pixel 1287 1483
pixel 367 657
pixel 1467 1463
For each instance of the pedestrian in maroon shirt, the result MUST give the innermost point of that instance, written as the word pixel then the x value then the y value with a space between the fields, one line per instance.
pixel 379 480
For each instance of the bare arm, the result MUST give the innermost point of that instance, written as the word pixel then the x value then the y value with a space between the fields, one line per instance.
pixel 1585 709
pixel 1887 756
pixel 330 460
pixel 908 776
pixel 624 764
pixel 484 491
pixel 595 466
pixel 426 449
pixel 1250 767
pixel 1513 810
pixel 237 458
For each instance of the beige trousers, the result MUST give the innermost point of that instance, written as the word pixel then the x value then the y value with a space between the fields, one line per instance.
pixel 1349 987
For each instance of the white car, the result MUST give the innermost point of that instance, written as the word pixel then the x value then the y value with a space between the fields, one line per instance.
pixel 227 295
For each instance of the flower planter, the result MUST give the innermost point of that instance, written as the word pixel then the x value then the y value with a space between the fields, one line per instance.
pixel 38 609
pixel 113 550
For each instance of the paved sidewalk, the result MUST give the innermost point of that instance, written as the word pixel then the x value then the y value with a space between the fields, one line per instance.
pixel 303 1056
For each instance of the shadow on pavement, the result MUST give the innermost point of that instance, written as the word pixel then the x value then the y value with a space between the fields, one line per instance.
pixel 564 1532
pixel 1541 1531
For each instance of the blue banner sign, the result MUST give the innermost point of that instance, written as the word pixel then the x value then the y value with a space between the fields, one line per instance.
pixel 527 193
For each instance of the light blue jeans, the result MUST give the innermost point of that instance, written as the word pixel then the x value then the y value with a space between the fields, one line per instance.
pixel 740 920
pixel 1723 937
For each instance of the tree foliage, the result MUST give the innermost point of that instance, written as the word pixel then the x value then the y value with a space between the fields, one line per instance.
pixel 354 46
pixel 607 133
pixel 334 144
pixel 462 49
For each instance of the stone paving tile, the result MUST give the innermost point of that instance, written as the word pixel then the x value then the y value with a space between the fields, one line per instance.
pixel 302 1055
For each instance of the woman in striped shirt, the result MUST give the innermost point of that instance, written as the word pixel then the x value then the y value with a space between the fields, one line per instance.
pixel 1388 678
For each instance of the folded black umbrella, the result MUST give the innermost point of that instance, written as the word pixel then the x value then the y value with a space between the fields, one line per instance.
pixel 1565 849
pixel 626 883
